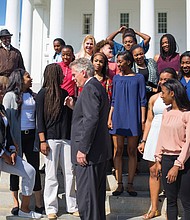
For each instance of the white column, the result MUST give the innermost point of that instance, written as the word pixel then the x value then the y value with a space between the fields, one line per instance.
pixel 147 23
pixel 26 33
pixel 101 13
pixel 37 51
pixel 188 24
pixel 13 20
pixel 56 21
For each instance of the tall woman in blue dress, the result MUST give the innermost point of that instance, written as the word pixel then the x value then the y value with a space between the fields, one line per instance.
pixel 127 115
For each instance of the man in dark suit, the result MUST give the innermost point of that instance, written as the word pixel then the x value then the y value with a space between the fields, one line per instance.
pixel 90 141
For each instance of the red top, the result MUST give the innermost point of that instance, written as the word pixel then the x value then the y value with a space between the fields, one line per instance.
pixel 68 84
pixel 113 69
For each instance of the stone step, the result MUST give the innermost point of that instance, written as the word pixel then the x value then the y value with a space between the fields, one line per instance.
pixel 117 207
pixel 141 182
pixel 114 204
pixel 6 216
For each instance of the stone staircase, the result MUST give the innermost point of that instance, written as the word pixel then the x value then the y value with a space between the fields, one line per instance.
pixel 117 208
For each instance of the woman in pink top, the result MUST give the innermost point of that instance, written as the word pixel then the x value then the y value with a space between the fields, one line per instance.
pixel 173 148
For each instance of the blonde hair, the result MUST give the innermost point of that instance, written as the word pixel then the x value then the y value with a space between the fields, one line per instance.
pixel 82 52
pixel 4 81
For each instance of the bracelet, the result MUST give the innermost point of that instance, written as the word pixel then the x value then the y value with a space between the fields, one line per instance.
pixel 42 141
pixel 142 141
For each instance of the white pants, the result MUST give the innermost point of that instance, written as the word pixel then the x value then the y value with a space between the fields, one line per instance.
pixel 60 153
pixel 23 169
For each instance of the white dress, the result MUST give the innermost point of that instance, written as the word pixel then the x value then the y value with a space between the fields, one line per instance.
pixel 150 146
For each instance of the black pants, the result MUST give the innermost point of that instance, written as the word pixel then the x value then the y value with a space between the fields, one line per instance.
pixel 181 186
pixel 91 191
pixel 32 158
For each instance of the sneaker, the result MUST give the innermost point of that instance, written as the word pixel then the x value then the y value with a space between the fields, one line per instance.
pixel 52 216
pixel 40 210
pixel 30 214
pixel 76 214
pixel 15 210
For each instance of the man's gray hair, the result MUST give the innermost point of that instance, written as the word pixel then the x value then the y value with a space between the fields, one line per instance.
pixel 83 64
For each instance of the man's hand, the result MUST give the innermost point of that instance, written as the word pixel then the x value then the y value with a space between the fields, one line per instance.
pixel 81 158
pixel 69 102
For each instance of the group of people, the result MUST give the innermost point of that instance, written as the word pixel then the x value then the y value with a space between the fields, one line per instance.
pixel 89 104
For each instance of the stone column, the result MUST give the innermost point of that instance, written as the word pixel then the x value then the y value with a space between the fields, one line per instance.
pixel 26 33
pixel 37 51
pixel 56 21
pixel 147 23
pixel 188 24
pixel 101 19
pixel 12 22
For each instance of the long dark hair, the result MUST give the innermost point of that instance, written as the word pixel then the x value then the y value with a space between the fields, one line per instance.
pixel 180 94
pixel 172 47
pixel 16 85
pixel 53 103
pixel 105 66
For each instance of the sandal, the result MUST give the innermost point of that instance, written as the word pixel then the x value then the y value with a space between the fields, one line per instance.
pixel 151 214
pixel 131 192
pixel 117 192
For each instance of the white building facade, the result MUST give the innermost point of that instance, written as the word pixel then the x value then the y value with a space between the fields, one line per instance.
pixel 42 21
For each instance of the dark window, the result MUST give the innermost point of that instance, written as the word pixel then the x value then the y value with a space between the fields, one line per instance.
pixel 162 22
pixel 87 23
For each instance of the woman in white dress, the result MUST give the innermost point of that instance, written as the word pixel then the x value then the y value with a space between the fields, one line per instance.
pixel 148 143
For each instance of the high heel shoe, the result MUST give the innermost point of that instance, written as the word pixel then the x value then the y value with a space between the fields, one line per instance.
pixel 151 214
pixel 131 192
pixel 117 192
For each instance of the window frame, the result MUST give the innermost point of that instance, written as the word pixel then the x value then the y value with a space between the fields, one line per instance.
pixel 86 25
pixel 120 19
pixel 164 22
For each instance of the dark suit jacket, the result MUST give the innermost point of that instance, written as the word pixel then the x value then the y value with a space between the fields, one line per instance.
pixel 10 60
pixel 89 131
pixel 4 132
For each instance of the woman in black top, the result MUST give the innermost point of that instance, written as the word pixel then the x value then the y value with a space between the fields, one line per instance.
pixel 54 134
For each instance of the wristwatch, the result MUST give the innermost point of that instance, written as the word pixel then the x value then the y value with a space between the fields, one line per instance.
pixel 142 141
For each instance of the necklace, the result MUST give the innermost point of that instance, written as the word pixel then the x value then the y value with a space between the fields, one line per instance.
pixel 141 67
pixel 98 77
